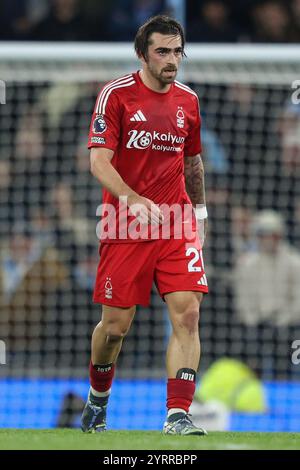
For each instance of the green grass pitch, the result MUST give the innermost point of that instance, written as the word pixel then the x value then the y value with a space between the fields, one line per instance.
pixel 67 439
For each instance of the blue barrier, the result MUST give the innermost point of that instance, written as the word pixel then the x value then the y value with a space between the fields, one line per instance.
pixel 134 404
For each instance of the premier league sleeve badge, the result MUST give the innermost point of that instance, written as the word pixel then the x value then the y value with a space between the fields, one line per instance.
pixel 99 124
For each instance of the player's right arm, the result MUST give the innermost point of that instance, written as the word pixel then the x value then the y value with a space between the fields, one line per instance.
pixel 107 175
pixel 110 179
pixel 104 139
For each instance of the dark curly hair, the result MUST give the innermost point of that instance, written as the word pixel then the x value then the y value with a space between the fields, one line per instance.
pixel 157 24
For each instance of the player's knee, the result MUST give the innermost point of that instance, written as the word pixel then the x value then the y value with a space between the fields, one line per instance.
pixel 116 332
pixel 189 320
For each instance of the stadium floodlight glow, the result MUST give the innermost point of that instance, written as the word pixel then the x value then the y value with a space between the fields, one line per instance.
pixel 2 92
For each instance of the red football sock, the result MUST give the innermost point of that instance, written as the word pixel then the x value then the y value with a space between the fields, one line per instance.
pixel 101 380
pixel 180 393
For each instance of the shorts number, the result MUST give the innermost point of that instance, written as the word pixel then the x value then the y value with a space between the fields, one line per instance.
pixel 194 260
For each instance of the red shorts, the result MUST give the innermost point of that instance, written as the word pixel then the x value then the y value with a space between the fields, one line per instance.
pixel 126 271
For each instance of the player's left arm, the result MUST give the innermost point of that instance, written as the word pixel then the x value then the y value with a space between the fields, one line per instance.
pixel 195 187
pixel 194 179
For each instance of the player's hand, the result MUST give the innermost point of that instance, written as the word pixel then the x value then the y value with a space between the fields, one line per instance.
pixel 145 210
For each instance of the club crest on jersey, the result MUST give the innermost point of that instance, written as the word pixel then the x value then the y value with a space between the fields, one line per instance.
pixel 99 124
pixel 180 117
pixel 108 288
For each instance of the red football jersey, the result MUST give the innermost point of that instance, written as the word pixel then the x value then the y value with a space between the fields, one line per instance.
pixel 150 134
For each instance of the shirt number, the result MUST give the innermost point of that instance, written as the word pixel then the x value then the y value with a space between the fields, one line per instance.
pixel 196 256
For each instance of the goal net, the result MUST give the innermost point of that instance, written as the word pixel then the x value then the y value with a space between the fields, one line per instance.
pixel 250 110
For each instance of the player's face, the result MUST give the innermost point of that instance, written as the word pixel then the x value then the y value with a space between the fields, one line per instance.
pixel 164 57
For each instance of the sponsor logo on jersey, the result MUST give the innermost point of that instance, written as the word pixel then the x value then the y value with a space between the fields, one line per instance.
pixel 139 139
pixel 98 140
pixel 143 139
pixel 99 124
pixel 108 288
pixel 180 117
pixel 138 116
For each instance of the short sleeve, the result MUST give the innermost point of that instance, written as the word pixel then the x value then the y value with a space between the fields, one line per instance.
pixel 105 123
pixel 193 141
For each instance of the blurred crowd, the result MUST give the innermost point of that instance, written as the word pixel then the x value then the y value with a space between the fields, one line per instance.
pixel 252 159
pixel 218 21
pixel 48 241
pixel 251 150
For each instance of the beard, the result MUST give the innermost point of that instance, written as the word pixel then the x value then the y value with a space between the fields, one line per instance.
pixel 166 76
